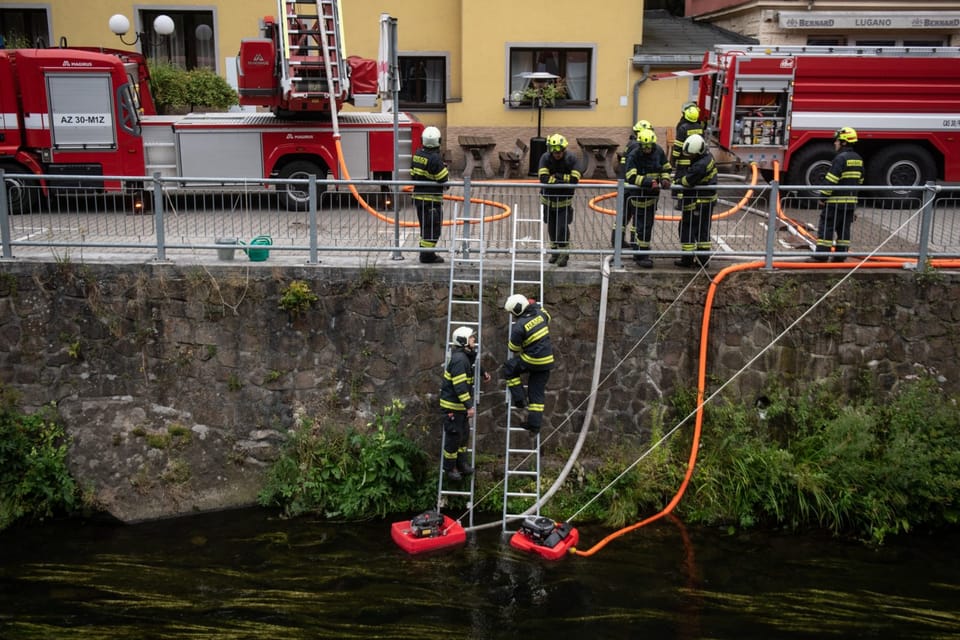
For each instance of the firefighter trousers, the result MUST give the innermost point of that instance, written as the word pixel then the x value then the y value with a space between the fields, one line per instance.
pixel 430 216
pixel 835 222
pixel 456 432
pixel 536 394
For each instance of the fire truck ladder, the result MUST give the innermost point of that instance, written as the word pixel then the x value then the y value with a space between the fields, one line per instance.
pixel 465 309
pixel 521 473
pixel 313 65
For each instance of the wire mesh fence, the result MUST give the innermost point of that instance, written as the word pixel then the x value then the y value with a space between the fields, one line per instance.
pixel 115 218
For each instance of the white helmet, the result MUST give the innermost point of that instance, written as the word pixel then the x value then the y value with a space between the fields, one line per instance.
pixel 516 304
pixel 461 337
pixel 695 145
pixel 430 137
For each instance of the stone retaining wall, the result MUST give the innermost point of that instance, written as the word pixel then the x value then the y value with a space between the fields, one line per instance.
pixel 177 383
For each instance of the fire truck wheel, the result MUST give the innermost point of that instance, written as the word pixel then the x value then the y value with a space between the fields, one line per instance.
pixel 900 165
pixel 297 197
pixel 21 195
pixel 808 167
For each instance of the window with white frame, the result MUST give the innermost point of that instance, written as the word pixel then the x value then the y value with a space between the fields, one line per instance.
pixel 423 82
pixel 573 86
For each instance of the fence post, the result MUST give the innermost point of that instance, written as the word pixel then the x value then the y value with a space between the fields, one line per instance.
pixel 395 191
pixel 926 222
pixel 4 218
pixel 312 192
pixel 618 227
pixel 158 217
pixel 772 221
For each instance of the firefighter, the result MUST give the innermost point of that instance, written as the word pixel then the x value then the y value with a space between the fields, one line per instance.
pixel 561 167
pixel 532 354
pixel 456 401
pixel 648 171
pixel 838 204
pixel 688 125
pixel 429 167
pixel 631 145
pixel 697 178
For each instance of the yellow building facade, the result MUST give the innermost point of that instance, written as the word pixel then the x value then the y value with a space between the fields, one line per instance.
pixel 464 64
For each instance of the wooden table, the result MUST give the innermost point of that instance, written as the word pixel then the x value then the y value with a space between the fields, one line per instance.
pixel 478 150
pixel 599 153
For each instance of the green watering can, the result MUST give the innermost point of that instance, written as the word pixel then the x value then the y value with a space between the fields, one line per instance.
pixel 259 255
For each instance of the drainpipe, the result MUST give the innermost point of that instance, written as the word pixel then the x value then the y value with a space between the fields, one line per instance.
pixel 636 92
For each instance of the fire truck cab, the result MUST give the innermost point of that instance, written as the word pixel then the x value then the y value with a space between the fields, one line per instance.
pixel 781 106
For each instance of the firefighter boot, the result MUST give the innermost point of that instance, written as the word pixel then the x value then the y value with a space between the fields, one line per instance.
pixel 643 260
pixel 564 257
pixel 553 256
pixel 463 464
pixel 452 472
pixel 517 396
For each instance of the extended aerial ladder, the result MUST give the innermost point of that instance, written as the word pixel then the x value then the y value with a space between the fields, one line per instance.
pixel 465 309
pixel 521 478
pixel 313 67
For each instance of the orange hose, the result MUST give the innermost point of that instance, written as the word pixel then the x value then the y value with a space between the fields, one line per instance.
pixel 702 371
pixel 379 216
pixel 717 216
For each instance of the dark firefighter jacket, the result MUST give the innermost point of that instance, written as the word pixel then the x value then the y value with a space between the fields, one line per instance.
pixel 456 390
pixel 642 170
pixel 428 165
pixel 699 180
pixel 530 337
pixel 847 169
pixel 558 171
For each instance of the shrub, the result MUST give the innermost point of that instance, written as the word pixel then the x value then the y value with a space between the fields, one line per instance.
pixel 34 479
pixel 173 88
pixel 349 474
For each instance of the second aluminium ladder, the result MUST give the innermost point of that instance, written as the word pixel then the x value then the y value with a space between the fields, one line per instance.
pixel 521 478
pixel 465 309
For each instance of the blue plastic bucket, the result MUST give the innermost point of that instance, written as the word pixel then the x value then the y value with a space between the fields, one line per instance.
pixel 259 255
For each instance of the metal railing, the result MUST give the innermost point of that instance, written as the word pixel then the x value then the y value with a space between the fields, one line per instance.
pixel 195 219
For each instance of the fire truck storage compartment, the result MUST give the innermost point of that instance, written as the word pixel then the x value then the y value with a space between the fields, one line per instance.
pixel 356 151
pixel 221 154
pixel 760 112
pixel 81 108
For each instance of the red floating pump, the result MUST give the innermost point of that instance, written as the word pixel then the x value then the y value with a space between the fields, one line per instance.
pixel 545 537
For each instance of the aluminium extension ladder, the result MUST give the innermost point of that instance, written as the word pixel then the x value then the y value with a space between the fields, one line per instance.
pixel 465 309
pixel 521 478
pixel 313 63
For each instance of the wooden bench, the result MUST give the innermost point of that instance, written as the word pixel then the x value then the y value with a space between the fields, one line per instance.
pixel 512 161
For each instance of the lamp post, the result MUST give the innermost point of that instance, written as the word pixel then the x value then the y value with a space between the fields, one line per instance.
pixel 163 26
pixel 538 145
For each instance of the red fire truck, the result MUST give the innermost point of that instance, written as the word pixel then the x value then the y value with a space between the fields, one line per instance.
pixel 769 104
pixel 79 111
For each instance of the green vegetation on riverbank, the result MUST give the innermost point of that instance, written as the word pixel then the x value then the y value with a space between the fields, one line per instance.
pixel 34 480
pixel 858 467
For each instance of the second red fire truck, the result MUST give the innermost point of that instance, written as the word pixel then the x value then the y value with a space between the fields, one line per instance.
pixel 782 104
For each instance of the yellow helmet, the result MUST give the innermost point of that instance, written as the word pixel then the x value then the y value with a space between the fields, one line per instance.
pixel 641 125
pixel 556 142
pixel 846 134
pixel 691 112
pixel 647 138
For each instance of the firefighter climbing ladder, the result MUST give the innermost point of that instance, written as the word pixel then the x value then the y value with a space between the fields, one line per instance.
pixel 313 65
pixel 465 309
pixel 521 478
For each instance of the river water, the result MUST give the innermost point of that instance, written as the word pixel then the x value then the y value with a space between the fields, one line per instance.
pixel 249 574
